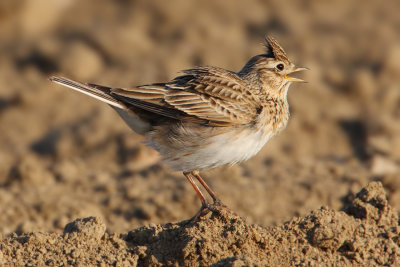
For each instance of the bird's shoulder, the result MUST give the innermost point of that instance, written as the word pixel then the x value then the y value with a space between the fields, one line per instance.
pixel 216 82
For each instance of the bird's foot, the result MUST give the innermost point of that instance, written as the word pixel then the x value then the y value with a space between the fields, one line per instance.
pixel 206 208
pixel 218 205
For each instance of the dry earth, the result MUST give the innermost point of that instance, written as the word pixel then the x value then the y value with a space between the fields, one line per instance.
pixel 64 156
pixel 366 233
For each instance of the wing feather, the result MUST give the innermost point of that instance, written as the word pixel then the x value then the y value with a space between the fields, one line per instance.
pixel 205 93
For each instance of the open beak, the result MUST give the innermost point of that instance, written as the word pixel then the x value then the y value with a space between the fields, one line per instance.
pixel 293 79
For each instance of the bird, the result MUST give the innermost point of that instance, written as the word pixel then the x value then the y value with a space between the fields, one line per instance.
pixel 207 116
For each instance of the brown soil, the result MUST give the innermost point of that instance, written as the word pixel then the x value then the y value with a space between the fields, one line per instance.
pixel 65 156
pixel 367 233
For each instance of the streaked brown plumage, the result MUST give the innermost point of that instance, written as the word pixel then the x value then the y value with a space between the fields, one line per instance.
pixel 208 116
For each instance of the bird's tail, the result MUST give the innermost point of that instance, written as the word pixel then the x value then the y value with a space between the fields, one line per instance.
pixel 99 92
pixel 104 94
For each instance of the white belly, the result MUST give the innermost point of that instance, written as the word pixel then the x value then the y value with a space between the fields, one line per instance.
pixel 222 149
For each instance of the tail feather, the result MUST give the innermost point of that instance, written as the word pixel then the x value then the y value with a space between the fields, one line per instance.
pixel 104 94
pixel 99 92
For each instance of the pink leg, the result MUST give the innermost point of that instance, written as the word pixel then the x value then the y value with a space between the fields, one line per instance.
pixel 205 206
pixel 216 200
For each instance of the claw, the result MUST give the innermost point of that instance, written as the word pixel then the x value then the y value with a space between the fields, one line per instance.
pixel 204 210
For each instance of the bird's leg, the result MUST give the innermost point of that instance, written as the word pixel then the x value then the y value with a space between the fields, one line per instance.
pixel 217 201
pixel 205 206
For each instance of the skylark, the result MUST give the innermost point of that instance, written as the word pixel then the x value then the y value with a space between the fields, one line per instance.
pixel 208 116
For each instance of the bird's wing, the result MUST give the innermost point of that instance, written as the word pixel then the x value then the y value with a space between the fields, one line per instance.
pixel 207 93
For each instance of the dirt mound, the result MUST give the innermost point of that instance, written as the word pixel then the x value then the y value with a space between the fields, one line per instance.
pixel 366 233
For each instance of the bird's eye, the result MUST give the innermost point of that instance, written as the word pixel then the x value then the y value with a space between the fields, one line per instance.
pixel 280 67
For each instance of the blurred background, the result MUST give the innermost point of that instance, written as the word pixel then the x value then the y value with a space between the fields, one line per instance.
pixel 64 155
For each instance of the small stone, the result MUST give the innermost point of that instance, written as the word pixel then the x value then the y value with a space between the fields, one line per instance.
pixel 382 166
pixel 31 171
pixel 90 227
pixel 379 143
pixel 364 84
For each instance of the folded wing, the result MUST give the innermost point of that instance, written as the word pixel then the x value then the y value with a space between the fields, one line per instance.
pixel 207 93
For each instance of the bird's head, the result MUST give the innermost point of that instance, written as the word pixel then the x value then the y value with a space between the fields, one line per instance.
pixel 272 69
